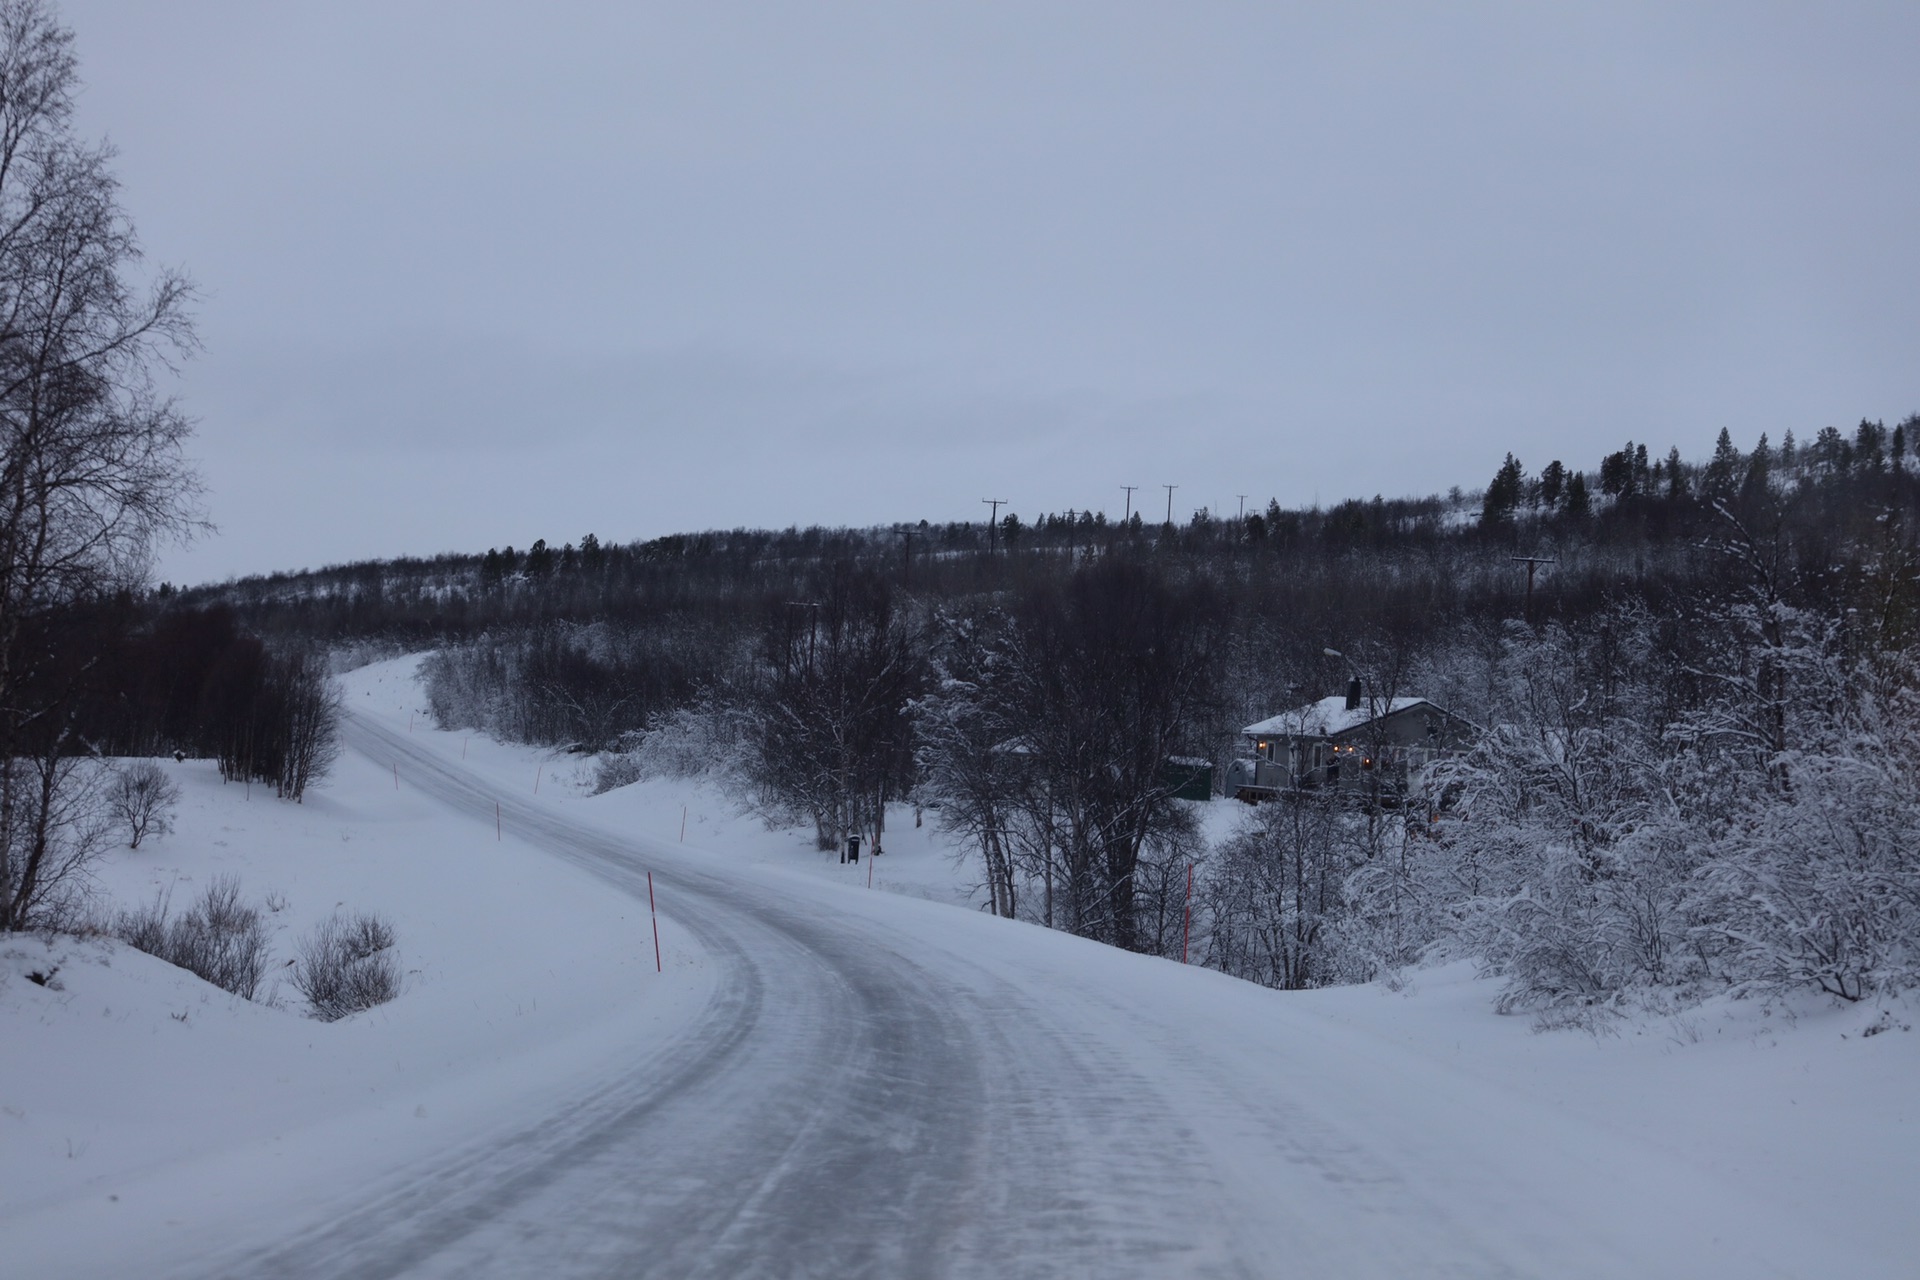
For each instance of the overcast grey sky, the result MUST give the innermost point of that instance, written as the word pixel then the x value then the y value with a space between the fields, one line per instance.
pixel 478 273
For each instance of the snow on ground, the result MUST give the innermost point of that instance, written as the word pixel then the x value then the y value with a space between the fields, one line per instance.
pixel 916 861
pixel 1803 1103
pixel 523 977
pixel 127 1086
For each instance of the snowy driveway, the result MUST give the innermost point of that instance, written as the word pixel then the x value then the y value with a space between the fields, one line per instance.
pixel 888 1087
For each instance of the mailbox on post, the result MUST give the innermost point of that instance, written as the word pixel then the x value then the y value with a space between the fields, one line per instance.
pixel 853 850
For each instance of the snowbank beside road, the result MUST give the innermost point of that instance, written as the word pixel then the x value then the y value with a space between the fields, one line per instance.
pixel 1805 1105
pixel 127 1084
pixel 694 812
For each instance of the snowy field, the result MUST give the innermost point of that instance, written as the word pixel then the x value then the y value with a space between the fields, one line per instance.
pixel 833 1079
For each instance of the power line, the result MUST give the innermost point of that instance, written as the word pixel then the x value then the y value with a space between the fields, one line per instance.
pixel 993 520
pixel 1532 563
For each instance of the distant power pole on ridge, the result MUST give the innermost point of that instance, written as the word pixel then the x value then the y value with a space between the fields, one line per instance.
pixel 993 520
pixel 1129 515
pixel 1532 563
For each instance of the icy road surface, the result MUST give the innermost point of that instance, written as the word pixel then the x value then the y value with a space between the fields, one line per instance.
pixel 893 1088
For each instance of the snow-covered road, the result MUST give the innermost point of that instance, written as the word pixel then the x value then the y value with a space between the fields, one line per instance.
pixel 889 1087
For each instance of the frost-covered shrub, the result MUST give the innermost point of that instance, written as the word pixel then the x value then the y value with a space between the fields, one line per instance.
pixel 688 742
pixel 559 683
pixel 467 688
pixel 1571 837
pixel 352 655
pixel 1396 902
pixel 616 769
pixel 1761 836
pixel 1274 894
pixel 220 938
pixel 1821 887
pixel 347 965
pixel 144 928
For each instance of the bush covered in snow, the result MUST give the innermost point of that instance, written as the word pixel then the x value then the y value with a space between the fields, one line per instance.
pixel 688 742
pixel 347 965
pixel 566 684
pixel 1600 842
pixel 220 938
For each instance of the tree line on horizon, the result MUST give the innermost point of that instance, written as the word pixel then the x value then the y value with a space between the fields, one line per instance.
pixel 1716 645
pixel 1711 641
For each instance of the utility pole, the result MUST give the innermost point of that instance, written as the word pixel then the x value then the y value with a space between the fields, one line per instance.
pixel 1169 488
pixel 1129 488
pixel 1532 563
pixel 993 521
pixel 1243 506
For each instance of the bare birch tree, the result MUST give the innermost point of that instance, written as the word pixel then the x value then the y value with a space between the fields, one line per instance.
pixel 91 464
pixel 311 716
pixel 142 797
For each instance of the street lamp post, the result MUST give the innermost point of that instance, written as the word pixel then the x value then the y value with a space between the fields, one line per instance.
pixel 1353 673
pixel 1373 775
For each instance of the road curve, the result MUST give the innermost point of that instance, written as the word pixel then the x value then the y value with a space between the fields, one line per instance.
pixel 842 1109
pixel 866 1098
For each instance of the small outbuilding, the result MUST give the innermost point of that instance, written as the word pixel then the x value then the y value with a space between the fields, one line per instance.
pixel 1188 777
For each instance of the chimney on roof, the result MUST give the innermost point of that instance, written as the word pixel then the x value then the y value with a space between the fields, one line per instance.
pixel 1353 694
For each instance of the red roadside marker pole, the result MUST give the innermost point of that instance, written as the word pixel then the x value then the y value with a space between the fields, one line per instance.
pixel 396 775
pixel 1186 930
pixel 496 819
pixel 656 925
pixel 683 824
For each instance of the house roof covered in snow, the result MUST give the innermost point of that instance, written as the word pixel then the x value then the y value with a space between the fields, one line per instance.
pixel 1329 717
